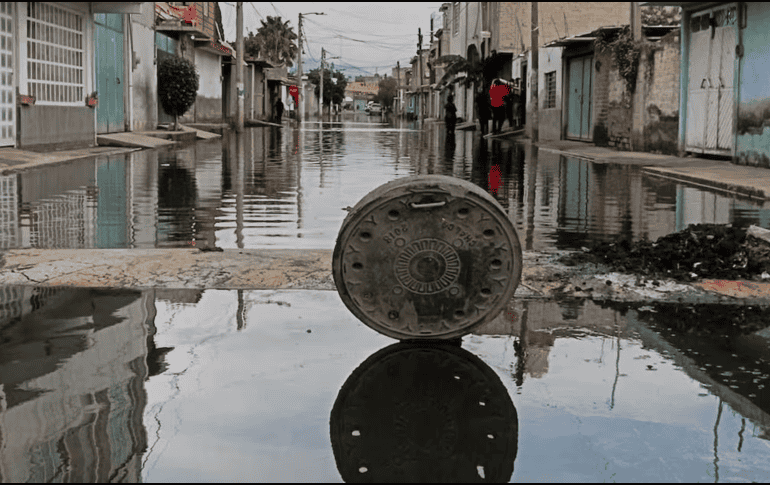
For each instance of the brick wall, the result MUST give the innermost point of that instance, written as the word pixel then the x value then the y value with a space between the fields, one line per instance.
pixel 556 20
pixel 657 95
pixel 659 79
pixel 601 93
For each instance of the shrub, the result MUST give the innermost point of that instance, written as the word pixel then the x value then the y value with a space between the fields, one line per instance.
pixel 177 86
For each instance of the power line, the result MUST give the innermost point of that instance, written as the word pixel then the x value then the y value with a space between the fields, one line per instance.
pixel 255 9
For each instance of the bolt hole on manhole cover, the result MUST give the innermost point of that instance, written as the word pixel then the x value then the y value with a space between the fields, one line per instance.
pixel 426 257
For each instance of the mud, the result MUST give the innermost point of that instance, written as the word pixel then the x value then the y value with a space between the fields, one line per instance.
pixel 698 252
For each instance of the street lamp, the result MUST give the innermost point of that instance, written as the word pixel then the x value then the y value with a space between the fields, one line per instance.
pixel 301 113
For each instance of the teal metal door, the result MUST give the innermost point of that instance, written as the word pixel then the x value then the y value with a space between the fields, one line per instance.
pixel 579 98
pixel 109 72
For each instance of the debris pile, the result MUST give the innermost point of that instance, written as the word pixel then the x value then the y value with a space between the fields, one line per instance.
pixel 701 251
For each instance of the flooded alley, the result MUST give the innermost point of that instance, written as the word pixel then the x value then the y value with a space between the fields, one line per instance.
pixel 286 188
pixel 162 384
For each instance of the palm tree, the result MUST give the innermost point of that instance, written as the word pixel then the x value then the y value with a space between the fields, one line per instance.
pixel 275 41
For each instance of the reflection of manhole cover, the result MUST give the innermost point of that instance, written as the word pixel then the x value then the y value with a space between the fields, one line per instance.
pixel 426 257
pixel 415 413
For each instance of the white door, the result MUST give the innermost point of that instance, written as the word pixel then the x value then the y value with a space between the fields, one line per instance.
pixel 710 88
pixel 7 91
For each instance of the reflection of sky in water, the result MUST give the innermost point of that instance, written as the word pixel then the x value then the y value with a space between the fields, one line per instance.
pixel 230 385
pixel 291 187
pixel 273 385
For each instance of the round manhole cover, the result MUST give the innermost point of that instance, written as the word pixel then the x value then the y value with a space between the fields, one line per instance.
pixel 426 257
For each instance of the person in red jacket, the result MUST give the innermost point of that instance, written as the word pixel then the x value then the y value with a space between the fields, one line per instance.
pixel 497 94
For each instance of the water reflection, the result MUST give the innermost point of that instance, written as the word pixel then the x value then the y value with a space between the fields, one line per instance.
pixel 72 370
pixel 270 187
pixel 424 413
pixel 128 385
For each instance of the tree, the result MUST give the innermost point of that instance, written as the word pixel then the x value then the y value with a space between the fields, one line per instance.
pixel 661 15
pixel 388 90
pixel 334 91
pixel 177 86
pixel 220 31
pixel 274 41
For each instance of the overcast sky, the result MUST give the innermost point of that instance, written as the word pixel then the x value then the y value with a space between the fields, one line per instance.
pixel 367 36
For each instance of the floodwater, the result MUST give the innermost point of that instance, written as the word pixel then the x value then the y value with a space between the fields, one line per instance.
pixel 187 385
pixel 286 188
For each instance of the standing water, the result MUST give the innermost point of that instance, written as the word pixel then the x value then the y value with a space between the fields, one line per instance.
pixel 287 187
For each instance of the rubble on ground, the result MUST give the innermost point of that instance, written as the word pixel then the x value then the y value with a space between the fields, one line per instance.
pixel 714 251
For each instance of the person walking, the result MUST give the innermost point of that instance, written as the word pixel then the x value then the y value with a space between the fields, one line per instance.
pixel 278 110
pixel 450 116
pixel 483 110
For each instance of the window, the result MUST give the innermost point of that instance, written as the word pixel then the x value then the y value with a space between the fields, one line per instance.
pixel 550 90
pixel 55 53
pixel 455 18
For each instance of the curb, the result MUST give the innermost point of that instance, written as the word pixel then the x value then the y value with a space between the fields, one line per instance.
pixel 750 192
pixel 23 167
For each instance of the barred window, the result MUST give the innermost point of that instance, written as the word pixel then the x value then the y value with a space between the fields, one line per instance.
pixel 55 52
pixel 550 89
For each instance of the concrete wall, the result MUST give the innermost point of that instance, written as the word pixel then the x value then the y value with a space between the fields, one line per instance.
pixel 143 94
pixel 753 124
pixel 56 127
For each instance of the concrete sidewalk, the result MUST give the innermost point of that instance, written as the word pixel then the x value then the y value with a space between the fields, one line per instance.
pixel 13 160
pixel 543 276
pixel 753 182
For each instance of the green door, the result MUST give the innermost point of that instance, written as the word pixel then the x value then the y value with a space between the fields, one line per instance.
pixel 579 98
pixel 109 72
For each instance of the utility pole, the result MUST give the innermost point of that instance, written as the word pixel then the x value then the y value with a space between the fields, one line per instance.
pixel 301 107
pixel 321 95
pixel 239 60
pixel 398 86
pixel 419 72
pixel 534 74
pixel 301 113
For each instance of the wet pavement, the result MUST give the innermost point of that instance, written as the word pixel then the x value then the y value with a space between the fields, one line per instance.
pixel 178 385
pixel 200 384
pixel 286 188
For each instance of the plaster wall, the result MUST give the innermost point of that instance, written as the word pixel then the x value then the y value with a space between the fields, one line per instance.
pixel 144 80
pixel 208 102
pixel 550 118
pixel 753 126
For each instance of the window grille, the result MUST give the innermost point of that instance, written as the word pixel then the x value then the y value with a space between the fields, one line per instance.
pixel 55 52
pixel 550 89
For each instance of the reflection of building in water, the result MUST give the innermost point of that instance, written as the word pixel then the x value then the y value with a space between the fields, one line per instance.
pixel 537 324
pixel 72 367
pixel 9 212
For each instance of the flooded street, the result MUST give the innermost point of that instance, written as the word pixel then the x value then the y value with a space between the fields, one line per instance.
pixel 287 385
pixel 180 385
pixel 286 188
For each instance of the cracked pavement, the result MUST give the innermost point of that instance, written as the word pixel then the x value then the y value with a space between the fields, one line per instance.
pixel 543 276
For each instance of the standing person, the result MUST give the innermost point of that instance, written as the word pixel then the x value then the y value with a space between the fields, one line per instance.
pixel 278 109
pixel 483 108
pixel 497 94
pixel 450 117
